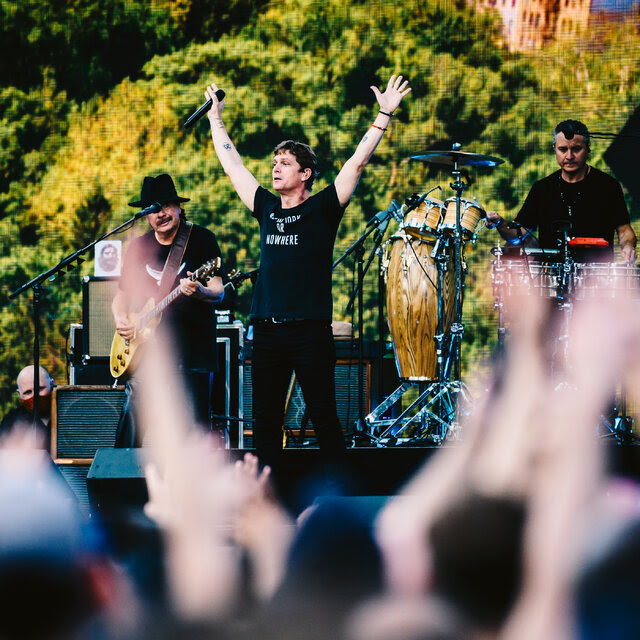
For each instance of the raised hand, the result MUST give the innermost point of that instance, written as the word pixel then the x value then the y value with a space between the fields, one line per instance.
pixel 217 105
pixel 393 94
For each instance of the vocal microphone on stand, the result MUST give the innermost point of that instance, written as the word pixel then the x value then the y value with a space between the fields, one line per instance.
pixel 392 210
pixel 419 201
pixel 152 208
pixel 193 118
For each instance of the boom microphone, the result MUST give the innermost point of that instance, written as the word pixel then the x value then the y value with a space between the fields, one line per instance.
pixel 193 118
pixel 152 208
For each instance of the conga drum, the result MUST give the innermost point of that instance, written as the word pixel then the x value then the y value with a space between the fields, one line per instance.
pixel 412 305
pixel 424 220
pixel 471 215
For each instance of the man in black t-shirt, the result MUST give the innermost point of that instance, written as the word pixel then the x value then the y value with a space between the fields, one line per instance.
pixel 292 305
pixel 190 318
pixel 577 199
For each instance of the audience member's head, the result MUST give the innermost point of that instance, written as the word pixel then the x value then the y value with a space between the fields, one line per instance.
pixel 608 591
pixel 477 557
pixel 50 560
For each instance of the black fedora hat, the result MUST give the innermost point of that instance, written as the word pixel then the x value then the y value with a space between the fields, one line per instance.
pixel 159 189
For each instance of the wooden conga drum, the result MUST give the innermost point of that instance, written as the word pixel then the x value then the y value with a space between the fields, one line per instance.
pixel 412 305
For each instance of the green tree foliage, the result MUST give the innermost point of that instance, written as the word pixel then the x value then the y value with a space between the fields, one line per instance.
pixel 91 45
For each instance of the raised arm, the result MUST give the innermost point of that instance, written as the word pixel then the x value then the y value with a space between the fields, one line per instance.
pixel 388 102
pixel 242 179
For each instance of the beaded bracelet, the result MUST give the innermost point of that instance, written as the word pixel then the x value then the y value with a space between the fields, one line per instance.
pixel 375 126
pixel 384 113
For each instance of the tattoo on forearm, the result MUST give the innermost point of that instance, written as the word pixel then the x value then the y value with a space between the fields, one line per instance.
pixel 227 146
pixel 366 137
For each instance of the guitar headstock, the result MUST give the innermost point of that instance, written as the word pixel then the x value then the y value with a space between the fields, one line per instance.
pixel 208 269
pixel 236 278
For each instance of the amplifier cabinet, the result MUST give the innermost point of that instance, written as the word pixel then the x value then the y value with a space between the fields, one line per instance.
pixel 296 418
pixel 228 398
pixel 74 471
pixel 84 418
pixel 98 325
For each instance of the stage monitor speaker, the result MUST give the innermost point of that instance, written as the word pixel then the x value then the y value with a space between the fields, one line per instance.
pixel 346 399
pixel 84 418
pixel 116 480
pixel 97 320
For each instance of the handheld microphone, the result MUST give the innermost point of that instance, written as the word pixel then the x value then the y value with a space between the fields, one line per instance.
pixel 194 117
pixel 152 208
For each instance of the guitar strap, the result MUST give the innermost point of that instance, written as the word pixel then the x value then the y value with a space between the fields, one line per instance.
pixel 174 259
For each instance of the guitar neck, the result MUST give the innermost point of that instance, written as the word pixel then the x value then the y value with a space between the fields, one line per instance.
pixel 144 320
pixel 203 272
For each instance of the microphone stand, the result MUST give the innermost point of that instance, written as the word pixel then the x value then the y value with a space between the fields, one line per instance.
pixel 35 285
pixel 378 224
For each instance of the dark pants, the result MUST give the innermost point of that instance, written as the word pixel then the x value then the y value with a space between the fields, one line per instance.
pixel 198 388
pixel 307 348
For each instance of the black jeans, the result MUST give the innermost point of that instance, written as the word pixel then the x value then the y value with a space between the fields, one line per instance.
pixel 197 385
pixel 307 348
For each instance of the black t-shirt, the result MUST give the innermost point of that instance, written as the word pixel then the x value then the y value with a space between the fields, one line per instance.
pixel 192 322
pixel 591 208
pixel 296 255
pixel 19 416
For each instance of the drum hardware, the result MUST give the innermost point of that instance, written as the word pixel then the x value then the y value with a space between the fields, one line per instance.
pixel 428 356
pixel 456 158
pixel 377 224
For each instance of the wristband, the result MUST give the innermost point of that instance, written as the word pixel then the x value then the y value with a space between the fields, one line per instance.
pixel 384 113
pixel 375 126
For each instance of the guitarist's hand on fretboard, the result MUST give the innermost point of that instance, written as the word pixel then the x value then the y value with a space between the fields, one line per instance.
pixel 189 287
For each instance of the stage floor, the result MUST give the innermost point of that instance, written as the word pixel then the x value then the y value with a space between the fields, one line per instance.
pixel 116 476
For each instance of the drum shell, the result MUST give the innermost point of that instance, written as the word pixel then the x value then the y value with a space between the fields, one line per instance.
pixel 515 277
pixel 424 220
pixel 412 305
pixel 601 280
pixel 470 215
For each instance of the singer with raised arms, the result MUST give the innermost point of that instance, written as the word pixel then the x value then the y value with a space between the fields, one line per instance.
pixel 578 200
pixel 292 304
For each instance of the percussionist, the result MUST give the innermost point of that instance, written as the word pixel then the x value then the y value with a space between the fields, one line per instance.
pixel 577 201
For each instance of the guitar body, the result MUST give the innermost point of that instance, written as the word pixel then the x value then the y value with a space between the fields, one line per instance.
pixel 124 353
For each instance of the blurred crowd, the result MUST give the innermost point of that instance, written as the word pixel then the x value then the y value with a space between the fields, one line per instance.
pixel 516 529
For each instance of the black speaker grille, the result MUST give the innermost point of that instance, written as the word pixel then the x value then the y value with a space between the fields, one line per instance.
pixel 346 398
pixel 86 419
pixel 76 477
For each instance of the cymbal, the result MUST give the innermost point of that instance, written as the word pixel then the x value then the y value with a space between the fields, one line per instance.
pixel 462 158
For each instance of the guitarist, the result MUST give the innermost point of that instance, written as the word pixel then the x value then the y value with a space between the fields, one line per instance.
pixel 155 264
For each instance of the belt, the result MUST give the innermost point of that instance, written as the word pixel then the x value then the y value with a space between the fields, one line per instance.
pixel 277 320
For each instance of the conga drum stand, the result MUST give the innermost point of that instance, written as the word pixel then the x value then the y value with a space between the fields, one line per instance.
pixel 431 416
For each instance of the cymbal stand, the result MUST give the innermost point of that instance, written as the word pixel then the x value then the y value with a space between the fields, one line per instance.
pixel 437 402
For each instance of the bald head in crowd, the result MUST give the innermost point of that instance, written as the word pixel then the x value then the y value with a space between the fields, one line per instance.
pixel 25 382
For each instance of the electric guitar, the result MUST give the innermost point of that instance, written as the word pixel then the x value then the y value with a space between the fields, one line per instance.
pixel 124 351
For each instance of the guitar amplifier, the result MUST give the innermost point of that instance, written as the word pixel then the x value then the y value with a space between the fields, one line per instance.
pixel 84 418
pixel 98 325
